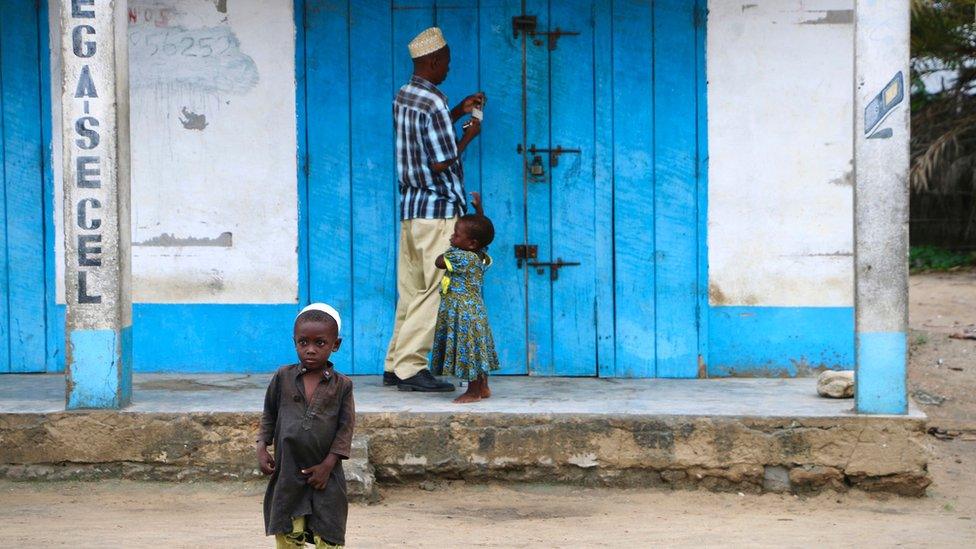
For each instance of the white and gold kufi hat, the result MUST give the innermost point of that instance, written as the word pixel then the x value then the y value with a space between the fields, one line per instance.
pixel 426 42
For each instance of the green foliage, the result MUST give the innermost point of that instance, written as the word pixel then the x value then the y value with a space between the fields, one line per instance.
pixel 943 140
pixel 931 258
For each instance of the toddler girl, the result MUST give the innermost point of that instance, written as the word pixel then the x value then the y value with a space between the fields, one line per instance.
pixel 463 345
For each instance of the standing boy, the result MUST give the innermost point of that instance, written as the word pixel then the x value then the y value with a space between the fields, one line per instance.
pixel 309 416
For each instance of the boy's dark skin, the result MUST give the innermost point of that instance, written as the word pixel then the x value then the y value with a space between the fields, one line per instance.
pixel 433 68
pixel 314 342
pixel 462 239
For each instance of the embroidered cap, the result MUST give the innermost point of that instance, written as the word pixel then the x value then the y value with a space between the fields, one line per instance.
pixel 426 42
pixel 327 309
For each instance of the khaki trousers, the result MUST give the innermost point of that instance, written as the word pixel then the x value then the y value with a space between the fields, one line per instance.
pixel 418 282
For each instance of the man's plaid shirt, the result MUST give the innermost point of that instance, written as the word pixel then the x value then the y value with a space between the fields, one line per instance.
pixel 425 134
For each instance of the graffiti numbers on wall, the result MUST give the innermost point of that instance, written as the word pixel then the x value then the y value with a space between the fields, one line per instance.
pixel 182 42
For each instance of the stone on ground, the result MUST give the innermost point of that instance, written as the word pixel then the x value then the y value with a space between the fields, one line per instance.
pixel 834 384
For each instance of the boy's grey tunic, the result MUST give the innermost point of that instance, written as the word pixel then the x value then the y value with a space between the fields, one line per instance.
pixel 303 435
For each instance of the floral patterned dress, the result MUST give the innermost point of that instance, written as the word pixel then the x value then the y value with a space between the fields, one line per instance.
pixel 463 345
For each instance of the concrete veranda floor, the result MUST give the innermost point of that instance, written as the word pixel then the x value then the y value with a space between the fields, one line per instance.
pixel 793 398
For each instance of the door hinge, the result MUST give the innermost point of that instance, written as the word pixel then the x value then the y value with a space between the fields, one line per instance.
pixel 525 252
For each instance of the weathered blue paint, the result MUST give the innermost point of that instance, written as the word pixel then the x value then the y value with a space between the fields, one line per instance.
pixel 881 373
pixel 633 193
pixel 4 257
pixel 301 126
pixel 675 189
pixel 538 208
pixel 100 375
pixel 215 338
pixel 505 284
pixel 373 190
pixel 54 313
pixel 603 185
pixel 328 166
pixel 779 341
pixel 572 193
pixel 701 87
pixel 22 265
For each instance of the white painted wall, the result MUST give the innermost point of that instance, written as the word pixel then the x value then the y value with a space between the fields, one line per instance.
pixel 213 151
pixel 779 101
pixel 780 106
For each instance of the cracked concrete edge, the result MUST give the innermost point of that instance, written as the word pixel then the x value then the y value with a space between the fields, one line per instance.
pixel 872 453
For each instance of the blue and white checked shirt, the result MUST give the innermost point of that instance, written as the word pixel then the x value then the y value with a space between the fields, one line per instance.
pixel 425 134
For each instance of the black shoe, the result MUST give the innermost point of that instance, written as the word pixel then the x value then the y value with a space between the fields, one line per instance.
pixel 390 379
pixel 425 382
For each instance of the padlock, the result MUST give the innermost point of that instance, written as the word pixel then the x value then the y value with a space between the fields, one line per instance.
pixel 535 168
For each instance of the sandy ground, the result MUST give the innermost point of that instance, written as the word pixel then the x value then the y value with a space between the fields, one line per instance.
pixel 942 373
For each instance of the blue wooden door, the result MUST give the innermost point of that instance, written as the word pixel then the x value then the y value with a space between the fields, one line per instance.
pixel 614 84
pixel 22 186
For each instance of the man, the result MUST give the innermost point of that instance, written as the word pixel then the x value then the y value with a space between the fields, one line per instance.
pixel 431 181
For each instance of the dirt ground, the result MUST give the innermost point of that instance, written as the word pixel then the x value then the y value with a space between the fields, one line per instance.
pixel 942 379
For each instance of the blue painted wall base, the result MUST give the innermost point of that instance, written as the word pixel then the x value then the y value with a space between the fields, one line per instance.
pixel 100 373
pixel 779 341
pixel 880 386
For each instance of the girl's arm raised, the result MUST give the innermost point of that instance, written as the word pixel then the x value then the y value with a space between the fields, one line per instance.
pixel 476 203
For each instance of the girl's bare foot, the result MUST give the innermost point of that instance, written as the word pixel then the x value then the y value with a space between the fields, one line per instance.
pixel 473 394
pixel 485 391
pixel 467 397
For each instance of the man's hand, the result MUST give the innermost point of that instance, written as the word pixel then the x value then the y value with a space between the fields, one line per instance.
pixel 471 130
pixel 472 101
pixel 265 461
pixel 468 105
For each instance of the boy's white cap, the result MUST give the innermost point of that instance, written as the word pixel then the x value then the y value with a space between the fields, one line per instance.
pixel 426 42
pixel 327 309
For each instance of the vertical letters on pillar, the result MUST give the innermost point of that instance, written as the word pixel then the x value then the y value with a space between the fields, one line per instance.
pixel 95 131
pixel 89 156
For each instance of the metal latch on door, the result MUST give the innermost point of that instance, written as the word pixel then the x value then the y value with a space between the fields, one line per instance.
pixel 553 153
pixel 527 24
pixel 525 252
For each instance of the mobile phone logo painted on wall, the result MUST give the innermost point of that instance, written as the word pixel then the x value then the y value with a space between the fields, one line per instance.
pixel 881 106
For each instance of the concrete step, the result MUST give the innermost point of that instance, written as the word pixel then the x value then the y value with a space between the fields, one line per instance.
pixel 360 477
pixel 740 453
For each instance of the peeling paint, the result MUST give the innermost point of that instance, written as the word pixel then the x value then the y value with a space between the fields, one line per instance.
pixel 584 461
pixel 847 180
pixel 716 296
pixel 167 240
pixel 193 121
pixel 823 254
pixel 832 17
pixel 410 459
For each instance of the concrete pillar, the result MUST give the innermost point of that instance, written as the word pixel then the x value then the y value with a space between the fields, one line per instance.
pixel 95 111
pixel 881 162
